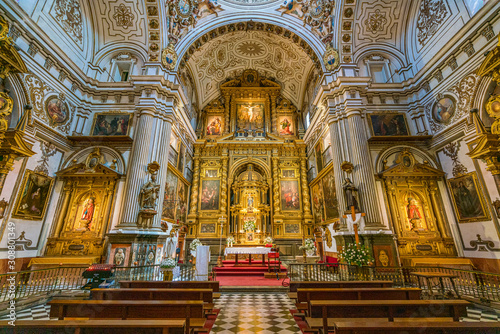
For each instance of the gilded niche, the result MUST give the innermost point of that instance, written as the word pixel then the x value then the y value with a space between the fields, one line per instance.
pixel 415 202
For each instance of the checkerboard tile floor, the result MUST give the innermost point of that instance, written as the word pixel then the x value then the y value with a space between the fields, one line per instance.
pixel 262 313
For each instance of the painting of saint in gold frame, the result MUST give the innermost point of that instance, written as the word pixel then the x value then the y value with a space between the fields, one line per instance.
pixel 318 203
pixel 290 195
pixel 330 196
pixel 111 124
pixel 215 125
pixel 468 198
pixel 33 196
pixel 169 199
pixel 210 190
pixel 286 126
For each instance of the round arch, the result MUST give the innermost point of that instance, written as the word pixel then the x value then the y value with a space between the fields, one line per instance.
pixel 385 154
pixel 238 166
pixel 273 24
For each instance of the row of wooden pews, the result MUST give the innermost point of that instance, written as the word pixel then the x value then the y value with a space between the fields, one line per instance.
pixel 169 307
pixel 375 307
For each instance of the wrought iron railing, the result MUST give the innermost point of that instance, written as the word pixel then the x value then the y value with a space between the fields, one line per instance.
pixel 48 282
pixel 480 286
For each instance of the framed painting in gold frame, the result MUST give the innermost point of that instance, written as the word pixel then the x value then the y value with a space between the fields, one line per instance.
pixel 468 198
pixel 388 124
pixel 210 191
pixel 33 196
pixel 215 125
pixel 111 124
pixel 290 195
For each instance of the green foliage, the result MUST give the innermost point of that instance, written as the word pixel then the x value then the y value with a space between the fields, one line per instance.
pixel 352 255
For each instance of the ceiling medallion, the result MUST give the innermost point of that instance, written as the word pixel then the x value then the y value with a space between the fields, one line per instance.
pixel 250 49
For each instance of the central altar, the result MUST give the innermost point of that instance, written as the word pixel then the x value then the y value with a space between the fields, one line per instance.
pixel 248 250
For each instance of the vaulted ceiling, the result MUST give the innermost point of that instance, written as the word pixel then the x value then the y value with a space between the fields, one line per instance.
pixel 227 56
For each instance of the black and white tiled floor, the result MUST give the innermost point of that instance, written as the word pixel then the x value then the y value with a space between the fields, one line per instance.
pixel 264 313
pixel 242 313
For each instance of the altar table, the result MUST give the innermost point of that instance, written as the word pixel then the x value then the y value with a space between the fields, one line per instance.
pixel 248 250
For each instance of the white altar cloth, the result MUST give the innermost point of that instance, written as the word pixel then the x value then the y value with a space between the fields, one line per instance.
pixel 247 250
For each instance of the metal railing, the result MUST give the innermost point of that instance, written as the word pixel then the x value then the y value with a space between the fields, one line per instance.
pixel 480 286
pixel 48 282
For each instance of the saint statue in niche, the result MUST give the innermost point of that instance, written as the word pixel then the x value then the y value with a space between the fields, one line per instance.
pixel 250 201
pixel 149 194
pixel 351 194
pixel 413 209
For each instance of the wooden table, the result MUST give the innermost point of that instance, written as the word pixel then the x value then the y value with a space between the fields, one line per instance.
pixel 430 275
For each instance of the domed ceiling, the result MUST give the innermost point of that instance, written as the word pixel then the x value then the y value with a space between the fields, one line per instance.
pixel 271 55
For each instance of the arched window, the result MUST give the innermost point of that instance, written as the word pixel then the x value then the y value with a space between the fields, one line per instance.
pixel 121 67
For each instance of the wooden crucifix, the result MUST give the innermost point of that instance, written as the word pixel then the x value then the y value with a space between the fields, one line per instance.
pixel 353 216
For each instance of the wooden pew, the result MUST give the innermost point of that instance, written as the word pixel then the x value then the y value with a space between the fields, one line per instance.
pixel 416 326
pixel 386 309
pixel 191 310
pixel 214 285
pixel 335 285
pixel 152 294
pixel 306 295
pixel 94 326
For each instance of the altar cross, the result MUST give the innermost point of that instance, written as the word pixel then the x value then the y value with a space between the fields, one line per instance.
pixel 355 225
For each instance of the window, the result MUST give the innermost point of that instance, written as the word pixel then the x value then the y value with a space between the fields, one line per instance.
pixel 378 73
pixel 122 71
pixel 475 5
pixel 308 119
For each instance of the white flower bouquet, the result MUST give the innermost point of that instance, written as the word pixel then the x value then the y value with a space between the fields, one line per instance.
pixel 308 245
pixel 356 256
pixel 168 263
pixel 268 240
pixel 194 244
pixel 230 241
pixel 249 226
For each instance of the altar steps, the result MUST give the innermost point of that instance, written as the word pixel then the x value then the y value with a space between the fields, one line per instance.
pixel 239 270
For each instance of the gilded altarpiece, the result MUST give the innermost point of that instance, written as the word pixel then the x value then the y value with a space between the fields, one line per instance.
pixel 254 171
pixel 84 210
pixel 416 209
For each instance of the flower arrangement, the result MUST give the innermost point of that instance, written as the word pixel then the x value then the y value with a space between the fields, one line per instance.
pixel 249 226
pixel 168 263
pixel 230 240
pixel 268 240
pixel 357 256
pixel 194 244
pixel 308 246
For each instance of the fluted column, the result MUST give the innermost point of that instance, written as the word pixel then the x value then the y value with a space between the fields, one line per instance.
pixel 194 187
pixel 162 159
pixel 337 161
pixel 137 169
pixel 305 188
pixel 363 169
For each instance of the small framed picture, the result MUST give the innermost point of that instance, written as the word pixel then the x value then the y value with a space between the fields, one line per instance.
pixel 111 124
pixel 33 196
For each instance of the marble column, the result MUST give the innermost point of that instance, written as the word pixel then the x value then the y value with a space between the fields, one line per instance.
pixel 162 159
pixel 137 170
pixel 364 174
pixel 337 158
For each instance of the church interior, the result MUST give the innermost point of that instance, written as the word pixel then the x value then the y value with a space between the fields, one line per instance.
pixel 293 153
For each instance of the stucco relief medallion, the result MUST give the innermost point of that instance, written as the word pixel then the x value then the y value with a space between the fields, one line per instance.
pixel 250 49
pixel 169 57
pixel 57 110
pixel 443 110
pixel 331 58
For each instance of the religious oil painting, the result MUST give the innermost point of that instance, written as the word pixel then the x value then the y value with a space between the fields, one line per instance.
pixel 330 196
pixel 215 125
pixel 211 173
pixel 110 124
pixel 210 194
pixel 383 256
pixel 318 203
pixel 289 173
pixel 319 157
pixel 468 198
pixel 33 196
pixel 286 126
pixel 182 202
pixel 391 124
pixel 86 212
pixel 207 228
pixel 57 110
pixel 250 116
pixel 443 110
pixel 169 200
pixel 292 228
pixel 290 195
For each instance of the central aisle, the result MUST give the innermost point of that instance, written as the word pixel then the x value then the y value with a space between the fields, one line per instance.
pixel 263 313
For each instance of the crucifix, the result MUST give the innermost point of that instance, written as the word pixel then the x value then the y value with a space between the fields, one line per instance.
pixel 355 225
